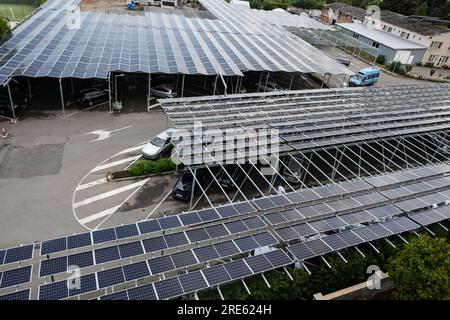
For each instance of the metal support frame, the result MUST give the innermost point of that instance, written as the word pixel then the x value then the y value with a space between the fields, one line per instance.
pixel 62 98
pixel 182 85
pixel 109 91
pixel 194 179
pixel 292 80
pixel 11 101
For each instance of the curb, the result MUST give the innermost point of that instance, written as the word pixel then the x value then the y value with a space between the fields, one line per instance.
pixel 109 176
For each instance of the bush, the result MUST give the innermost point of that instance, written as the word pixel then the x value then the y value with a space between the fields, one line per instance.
pixel 381 59
pixel 408 68
pixel 145 167
pixel 432 71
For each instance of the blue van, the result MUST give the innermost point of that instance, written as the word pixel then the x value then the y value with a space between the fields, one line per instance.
pixel 365 77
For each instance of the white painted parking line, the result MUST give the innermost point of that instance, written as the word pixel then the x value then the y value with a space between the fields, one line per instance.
pixel 109 193
pixel 99 215
pixel 115 163
pixel 91 184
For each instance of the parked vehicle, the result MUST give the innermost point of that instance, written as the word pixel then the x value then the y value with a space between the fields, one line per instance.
pixel 158 145
pixel 344 61
pixel 94 97
pixel 269 87
pixel 163 92
pixel 365 77
pixel 234 172
pixel 295 173
pixel 183 187
pixel 5 108
pixel 21 99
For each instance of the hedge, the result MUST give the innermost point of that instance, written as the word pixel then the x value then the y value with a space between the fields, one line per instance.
pixel 144 167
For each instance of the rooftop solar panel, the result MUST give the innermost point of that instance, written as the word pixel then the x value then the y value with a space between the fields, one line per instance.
pixel 53 266
pixel 2 256
pixel 258 263
pixel 318 247
pixel 206 253
pixel 264 203
pixel 246 243
pixel 208 215
pixel 197 235
pixel 237 269
pixel 366 234
pixel 227 211
pixel 287 233
pixel 236 226
pixel 169 222
pixel 275 218
pixel 216 231
pixel 265 239
pixel 350 238
pixel 183 259
pixel 190 218
pixel 335 242
pixel 243 208
pixel 253 223
pixel 176 239
pixel 291 215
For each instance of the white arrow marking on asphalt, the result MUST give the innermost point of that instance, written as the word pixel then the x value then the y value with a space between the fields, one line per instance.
pixel 99 215
pixel 115 163
pixel 104 134
pixel 109 193
pixel 91 184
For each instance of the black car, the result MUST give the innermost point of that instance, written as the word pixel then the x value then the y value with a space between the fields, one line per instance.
pixel 94 97
pixel 183 187
pixel 21 99
pixel 234 172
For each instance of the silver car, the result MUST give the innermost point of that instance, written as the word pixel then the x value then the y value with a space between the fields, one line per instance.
pixel 163 92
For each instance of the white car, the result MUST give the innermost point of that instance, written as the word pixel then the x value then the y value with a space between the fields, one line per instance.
pixel 163 91
pixel 158 145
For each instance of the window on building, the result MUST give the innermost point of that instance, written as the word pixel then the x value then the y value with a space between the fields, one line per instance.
pixel 444 59
pixel 390 29
pixel 407 36
pixel 432 58
pixel 356 35
pixel 384 27
pixel 403 34
pixel 436 45
pixel 375 44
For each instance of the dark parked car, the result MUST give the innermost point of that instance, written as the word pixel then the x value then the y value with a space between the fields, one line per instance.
pixel 234 172
pixel 92 98
pixel 183 187
pixel 21 99
pixel 5 108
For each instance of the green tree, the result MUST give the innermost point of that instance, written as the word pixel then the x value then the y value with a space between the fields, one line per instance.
pixel 5 30
pixel 421 269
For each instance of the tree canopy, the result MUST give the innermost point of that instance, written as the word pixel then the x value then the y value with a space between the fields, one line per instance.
pixel 5 30
pixel 421 269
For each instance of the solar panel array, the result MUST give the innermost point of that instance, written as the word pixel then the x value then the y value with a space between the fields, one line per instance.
pixel 341 215
pixel 226 11
pixel 310 119
pixel 60 43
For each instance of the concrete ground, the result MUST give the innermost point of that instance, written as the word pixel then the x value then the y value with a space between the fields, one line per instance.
pixel 356 64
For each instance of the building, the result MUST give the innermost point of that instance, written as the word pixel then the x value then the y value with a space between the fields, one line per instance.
pixel 240 3
pixel 341 13
pixel 392 47
pixel 425 32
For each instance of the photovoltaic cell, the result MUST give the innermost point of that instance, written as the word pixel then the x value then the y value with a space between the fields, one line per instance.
pixel 104 235
pixel 318 247
pixel 81 260
pixel 243 207
pixel 226 248
pixel 55 245
pixel 53 266
pixel 278 258
pixel 176 239
pixel 264 203
pixel 265 239
pixel 130 249
pixel 275 218
pixel 246 243
pixel 106 254
pixel 216 275
pixel 19 254
pixel 149 226
pixel 237 269
pixel 304 229
pixel 183 259
pixel 17 296
pixel 208 215
pixel 87 284
pixel 335 242
pixel 15 277
pixel 79 240
pixel 110 277
pixel 253 223
pixel 236 226
pixel 366 234
pixel 2 256
pixel 205 253
pixel 287 233
pixel 168 288
pixel 54 291
pixel 291 215
pixel 189 218
pixel 258 263
pixel 120 296
pixel 154 244
pixel 301 251
pixel 126 231
pixel 197 235
pixel 136 271
pixel 216 231
pixel 350 238
pixel 227 211
pixel 280 200
pixel 160 264
pixel 145 292
pixel 169 222
pixel 192 281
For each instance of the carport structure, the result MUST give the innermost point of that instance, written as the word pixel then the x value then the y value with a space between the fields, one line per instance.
pixel 61 42
pixel 321 136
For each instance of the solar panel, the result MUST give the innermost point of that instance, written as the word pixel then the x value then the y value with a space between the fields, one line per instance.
pixel 407 224
pixel 264 203
pixel 243 208
pixel 169 222
pixel 379 230
pixel 2 256
pixel 365 234
pixel 54 291
pixel 126 231
pixel 246 243
pixel 236 226
pixel 265 239
pixel 145 292
pixel 110 277
pixel 350 238
pixel 280 200
pixel 121 295
pixel 291 215
pixel 217 231
pixel 227 211
pixel 149 226
pixel 206 253
pixel 168 288
pixel 278 258
pixel 183 259
pixel 335 242
pixel 197 235
pixel 81 260
pixel 176 239
pixel 258 263
pixel 208 215
pixel 216 275
pixel 15 277
pixel 190 218
pixel 79 240
pixel 384 211
pixel 106 254
pixel 136 271
pixel 55 245
pixel 275 218
pixel 160 264
pixel 226 248
pixel 287 233
pixel 301 251
pixel 304 229
pixel 53 266
pixel 154 244
pixel 237 269
pixel 16 296
pixel 253 223
pixel 192 281
pixel 130 249
pixel 104 235
pixel 87 283
pixel 318 247
pixel 19 254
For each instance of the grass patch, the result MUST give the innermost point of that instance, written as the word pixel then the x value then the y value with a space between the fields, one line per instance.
pixel 16 12
pixel 145 167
